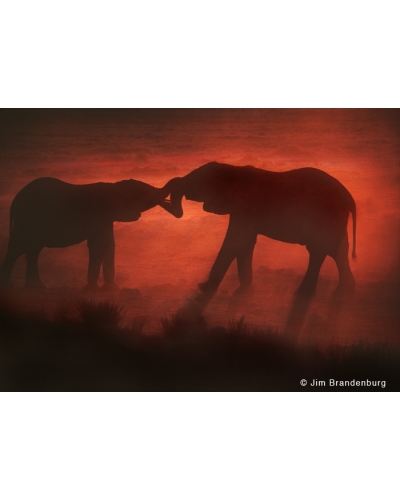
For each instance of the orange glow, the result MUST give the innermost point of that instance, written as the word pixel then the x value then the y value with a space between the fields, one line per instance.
pixel 358 147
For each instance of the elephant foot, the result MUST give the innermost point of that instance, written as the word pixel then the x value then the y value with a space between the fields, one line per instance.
pixel 91 288
pixel 243 290
pixel 305 291
pixel 344 291
pixel 208 288
pixel 110 287
pixel 35 285
pixel 5 284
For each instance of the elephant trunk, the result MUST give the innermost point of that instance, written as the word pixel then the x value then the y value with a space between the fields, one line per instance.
pixel 174 189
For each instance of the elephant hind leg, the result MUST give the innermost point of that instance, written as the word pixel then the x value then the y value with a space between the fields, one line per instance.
pixel 309 283
pixel 303 297
pixel 32 273
pixel 347 283
pixel 244 261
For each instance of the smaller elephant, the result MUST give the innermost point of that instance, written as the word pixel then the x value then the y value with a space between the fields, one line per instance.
pixel 51 213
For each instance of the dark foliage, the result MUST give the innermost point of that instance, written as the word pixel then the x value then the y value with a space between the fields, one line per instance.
pixel 71 355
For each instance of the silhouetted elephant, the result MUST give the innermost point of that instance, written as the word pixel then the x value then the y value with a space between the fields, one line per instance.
pixel 304 206
pixel 52 213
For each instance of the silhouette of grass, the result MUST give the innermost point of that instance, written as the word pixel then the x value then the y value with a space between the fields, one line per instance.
pixel 37 354
pixel 102 314
pixel 135 329
pixel 169 327
pixel 183 324
pixel 241 328
pixel 63 309
pixel 238 327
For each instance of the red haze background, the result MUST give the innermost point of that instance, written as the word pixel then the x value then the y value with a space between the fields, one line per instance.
pixel 360 147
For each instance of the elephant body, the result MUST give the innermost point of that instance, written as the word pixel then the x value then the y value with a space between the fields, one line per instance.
pixel 51 213
pixel 304 206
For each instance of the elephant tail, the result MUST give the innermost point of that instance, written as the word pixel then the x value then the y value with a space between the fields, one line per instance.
pixel 11 223
pixel 354 215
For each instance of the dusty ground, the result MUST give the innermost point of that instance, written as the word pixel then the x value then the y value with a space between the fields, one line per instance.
pixel 371 316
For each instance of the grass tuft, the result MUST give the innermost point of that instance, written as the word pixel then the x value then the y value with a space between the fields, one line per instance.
pixel 183 324
pixel 135 328
pixel 100 315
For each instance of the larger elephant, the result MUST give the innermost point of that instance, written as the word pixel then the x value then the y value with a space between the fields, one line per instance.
pixel 51 213
pixel 305 206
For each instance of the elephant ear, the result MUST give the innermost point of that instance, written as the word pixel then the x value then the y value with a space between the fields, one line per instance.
pixel 219 207
pixel 225 194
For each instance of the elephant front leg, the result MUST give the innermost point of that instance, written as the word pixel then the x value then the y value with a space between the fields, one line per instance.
pixel 101 253
pixel 224 259
pixel 32 273
pixel 14 251
pixel 236 245
pixel 109 263
pixel 95 258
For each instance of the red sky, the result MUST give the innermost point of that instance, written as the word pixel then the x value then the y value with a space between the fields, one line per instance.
pixel 361 148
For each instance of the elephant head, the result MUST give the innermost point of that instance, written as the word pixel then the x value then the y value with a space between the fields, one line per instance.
pixel 217 185
pixel 130 198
